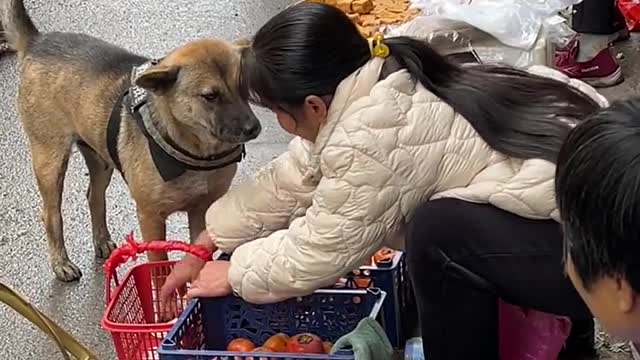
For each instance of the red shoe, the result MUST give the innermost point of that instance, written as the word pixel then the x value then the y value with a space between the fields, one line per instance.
pixel 567 55
pixel 601 71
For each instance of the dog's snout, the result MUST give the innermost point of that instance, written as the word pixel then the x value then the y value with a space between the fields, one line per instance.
pixel 239 126
pixel 251 129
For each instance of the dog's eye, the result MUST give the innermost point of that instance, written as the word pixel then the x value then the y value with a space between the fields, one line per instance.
pixel 211 95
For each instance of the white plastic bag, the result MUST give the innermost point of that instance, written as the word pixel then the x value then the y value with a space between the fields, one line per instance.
pixel 454 37
pixel 516 23
pixel 444 35
pixel 557 31
pixel 450 36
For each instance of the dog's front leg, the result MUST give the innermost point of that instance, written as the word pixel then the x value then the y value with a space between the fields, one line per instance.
pixel 196 222
pixel 153 227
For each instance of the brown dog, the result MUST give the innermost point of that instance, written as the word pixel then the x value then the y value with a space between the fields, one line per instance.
pixel 175 128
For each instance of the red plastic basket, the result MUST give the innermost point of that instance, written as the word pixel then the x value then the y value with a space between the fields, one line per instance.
pixel 134 316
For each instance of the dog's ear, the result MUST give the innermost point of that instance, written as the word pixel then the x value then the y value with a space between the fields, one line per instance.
pixel 158 78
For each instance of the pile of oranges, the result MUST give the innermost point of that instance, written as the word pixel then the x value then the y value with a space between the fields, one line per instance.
pixel 304 343
pixel 370 16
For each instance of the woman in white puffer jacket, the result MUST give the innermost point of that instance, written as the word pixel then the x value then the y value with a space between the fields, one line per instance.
pixel 392 137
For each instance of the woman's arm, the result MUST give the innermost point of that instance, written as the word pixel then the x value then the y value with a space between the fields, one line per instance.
pixel 350 216
pixel 270 202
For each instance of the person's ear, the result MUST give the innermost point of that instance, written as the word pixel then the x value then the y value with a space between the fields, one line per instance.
pixel 315 108
pixel 626 296
pixel 158 78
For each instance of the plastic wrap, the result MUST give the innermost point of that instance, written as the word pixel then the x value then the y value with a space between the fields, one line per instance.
pixel 445 35
pixel 449 36
pixel 555 33
pixel 515 23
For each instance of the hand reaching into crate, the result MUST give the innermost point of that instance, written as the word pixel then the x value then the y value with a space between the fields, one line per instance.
pixel 212 281
pixel 186 271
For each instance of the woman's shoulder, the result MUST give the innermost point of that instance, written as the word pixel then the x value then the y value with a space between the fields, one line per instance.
pixel 398 113
pixel 396 107
pixel 397 94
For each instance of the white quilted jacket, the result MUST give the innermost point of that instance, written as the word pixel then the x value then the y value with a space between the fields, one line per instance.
pixel 320 210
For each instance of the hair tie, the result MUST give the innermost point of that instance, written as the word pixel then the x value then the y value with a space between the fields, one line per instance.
pixel 377 46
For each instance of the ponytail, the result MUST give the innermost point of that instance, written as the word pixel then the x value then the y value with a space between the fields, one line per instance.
pixel 517 113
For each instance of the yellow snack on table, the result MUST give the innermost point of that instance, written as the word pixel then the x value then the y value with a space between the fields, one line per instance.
pixel 344 5
pixel 362 6
pixel 370 15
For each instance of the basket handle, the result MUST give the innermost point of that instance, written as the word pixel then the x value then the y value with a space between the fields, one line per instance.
pixel 131 249
pixel 66 343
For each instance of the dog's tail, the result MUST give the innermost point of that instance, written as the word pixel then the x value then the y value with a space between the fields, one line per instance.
pixel 18 27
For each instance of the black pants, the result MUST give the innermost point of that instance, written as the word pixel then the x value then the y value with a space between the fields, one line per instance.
pixel 462 257
pixel 600 17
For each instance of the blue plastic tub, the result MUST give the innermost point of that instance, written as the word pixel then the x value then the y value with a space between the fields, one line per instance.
pixel 399 313
pixel 208 325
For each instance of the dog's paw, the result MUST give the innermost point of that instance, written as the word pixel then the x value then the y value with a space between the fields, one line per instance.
pixel 104 249
pixel 66 271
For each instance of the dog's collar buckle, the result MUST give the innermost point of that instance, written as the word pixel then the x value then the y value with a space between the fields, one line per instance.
pixel 138 95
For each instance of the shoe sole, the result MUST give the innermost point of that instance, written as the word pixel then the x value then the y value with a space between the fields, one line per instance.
pixel 621 36
pixel 607 81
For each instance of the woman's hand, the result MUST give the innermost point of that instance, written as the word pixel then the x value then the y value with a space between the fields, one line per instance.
pixel 185 271
pixel 212 281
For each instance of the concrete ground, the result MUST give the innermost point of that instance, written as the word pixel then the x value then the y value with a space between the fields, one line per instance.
pixel 150 28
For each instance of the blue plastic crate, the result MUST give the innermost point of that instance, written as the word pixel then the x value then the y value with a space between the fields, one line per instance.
pixel 399 312
pixel 399 316
pixel 208 325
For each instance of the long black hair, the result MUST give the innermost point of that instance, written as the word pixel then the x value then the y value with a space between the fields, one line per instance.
pixel 308 49
pixel 598 193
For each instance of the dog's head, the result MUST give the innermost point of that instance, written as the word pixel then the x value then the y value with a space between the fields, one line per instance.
pixel 196 86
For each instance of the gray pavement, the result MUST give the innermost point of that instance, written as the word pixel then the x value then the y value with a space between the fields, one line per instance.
pixel 149 28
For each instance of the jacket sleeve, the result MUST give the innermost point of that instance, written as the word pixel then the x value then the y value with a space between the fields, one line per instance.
pixel 347 222
pixel 257 208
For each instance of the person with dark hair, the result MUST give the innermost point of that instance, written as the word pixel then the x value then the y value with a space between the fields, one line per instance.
pixel 598 193
pixel 590 57
pixel 394 141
